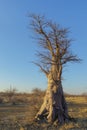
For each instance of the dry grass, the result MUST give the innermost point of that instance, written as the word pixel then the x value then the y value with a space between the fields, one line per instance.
pixel 20 116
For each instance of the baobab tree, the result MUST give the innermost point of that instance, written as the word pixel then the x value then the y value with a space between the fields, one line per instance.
pixel 53 55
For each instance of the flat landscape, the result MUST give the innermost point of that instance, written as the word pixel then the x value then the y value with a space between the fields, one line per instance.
pixel 19 113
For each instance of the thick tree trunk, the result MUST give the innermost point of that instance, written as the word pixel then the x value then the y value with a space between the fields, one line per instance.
pixel 54 104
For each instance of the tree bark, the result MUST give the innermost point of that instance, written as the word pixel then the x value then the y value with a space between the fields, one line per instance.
pixel 54 102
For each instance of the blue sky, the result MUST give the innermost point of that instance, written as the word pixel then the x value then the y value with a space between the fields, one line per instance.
pixel 17 49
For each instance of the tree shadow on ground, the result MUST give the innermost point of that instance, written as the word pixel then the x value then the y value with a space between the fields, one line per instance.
pixel 76 124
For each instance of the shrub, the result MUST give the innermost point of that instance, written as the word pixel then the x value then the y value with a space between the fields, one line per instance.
pixel 10 93
pixel 1 100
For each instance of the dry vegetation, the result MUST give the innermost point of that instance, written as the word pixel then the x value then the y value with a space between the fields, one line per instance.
pixel 18 113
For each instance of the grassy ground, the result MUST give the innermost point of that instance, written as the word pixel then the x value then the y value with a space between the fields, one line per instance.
pixel 20 116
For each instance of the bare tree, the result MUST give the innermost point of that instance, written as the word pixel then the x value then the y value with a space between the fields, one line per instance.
pixel 10 92
pixel 54 54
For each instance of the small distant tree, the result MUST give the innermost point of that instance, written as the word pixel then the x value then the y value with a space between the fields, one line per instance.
pixel 36 91
pixel 54 54
pixel 10 93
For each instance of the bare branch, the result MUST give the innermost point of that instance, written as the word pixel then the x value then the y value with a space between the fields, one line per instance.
pixel 38 25
pixel 42 69
pixel 70 58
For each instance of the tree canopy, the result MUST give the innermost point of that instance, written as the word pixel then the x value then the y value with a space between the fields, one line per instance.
pixel 54 43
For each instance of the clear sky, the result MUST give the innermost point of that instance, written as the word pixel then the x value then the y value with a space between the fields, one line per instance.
pixel 17 49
